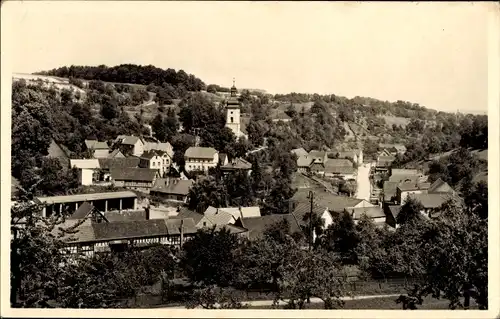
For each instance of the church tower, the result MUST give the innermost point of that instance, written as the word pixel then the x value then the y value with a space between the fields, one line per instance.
pixel 233 112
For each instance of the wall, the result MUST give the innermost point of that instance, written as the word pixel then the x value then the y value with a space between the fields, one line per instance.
pixel 201 164
pixel 85 176
pixel 235 125
pixel 138 148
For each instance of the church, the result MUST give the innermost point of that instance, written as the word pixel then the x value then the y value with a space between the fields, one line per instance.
pixel 233 113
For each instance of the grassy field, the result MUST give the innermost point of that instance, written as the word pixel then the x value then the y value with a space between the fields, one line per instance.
pixel 390 120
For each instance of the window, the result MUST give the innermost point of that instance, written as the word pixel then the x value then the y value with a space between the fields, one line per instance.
pixel 231 112
pixel 154 164
pixel 232 119
pixel 204 224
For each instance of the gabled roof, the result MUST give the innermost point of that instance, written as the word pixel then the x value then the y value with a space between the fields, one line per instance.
pixel 130 140
pixel 339 169
pixel 133 174
pixel 200 152
pixel 348 154
pixel 187 213
pixel 326 199
pixel 85 163
pixel 300 152
pixel 440 186
pixel 238 163
pixel 116 153
pixel 338 162
pixel 127 162
pixel 233 229
pixel 431 200
pixel 258 225
pixel 242 212
pixel 390 190
pixel 170 186
pixel 304 161
pixel 371 212
pixel 404 178
pixel 96 145
pixel 150 154
pixel 218 216
pixel 160 146
pixel 318 155
pixel 395 209
pixel 303 209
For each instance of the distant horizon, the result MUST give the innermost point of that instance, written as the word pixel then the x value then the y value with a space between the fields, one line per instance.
pixel 465 111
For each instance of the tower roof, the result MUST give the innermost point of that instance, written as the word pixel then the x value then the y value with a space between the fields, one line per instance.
pixel 233 90
pixel 233 101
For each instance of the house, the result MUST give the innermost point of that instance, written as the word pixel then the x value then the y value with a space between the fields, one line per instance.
pixel 342 168
pixel 432 202
pixel 130 145
pixel 385 152
pixel 393 149
pixel 257 226
pixel 280 116
pixel 141 179
pixel 97 149
pixel 405 172
pixel 93 236
pixel 374 213
pixel 440 187
pixel 200 158
pixel 318 156
pixel 219 216
pixel 237 164
pixel 172 189
pixel 242 212
pixel 304 163
pixel 317 168
pixel 384 163
pixel 355 155
pixel 88 170
pixel 406 189
pixel 116 154
pixel 299 152
pixel 56 151
pixel 158 160
pixel 158 146
pixel 200 220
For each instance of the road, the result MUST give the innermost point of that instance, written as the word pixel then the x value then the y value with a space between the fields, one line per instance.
pixel 263 303
pixel 363 190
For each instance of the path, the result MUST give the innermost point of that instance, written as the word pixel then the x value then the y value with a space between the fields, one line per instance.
pixel 263 303
pixel 257 150
pixel 363 182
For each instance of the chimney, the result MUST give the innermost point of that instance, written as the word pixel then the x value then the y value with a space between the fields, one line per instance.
pixel 182 232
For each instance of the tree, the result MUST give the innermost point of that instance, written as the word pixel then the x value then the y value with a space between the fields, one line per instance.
pixel 208 258
pixel 455 248
pixel 476 199
pixel 214 297
pixel 341 237
pixel 109 108
pixel 207 192
pixel 56 180
pixel 410 211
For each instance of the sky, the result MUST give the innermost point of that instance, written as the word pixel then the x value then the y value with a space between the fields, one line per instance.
pixel 434 54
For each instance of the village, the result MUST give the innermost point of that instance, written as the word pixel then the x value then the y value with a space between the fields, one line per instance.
pixel 151 207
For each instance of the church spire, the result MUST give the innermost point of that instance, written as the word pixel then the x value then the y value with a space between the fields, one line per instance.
pixel 233 89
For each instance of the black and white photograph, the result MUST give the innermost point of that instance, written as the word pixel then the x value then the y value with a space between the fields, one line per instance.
pixel 170 156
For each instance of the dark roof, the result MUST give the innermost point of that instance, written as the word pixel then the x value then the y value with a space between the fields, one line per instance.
pixel 83 211
pixel 129 140
pixel 319 155
pixel 302 209
pixel 143 228
pixel 133 174
pixel 440 186
pixel 187 213
pixel 222 157
pixel 96 145
pixel 395 209
pixel 326 199
pixel 115 153
pixel 317 166
pixel 123 216
pixel 339 166
pixel 150 154
pixel 257 225
pixel 390 190
pixel 127 162
pixel 431 200
pixel 169 186
pixel 237 163
pixel 304 161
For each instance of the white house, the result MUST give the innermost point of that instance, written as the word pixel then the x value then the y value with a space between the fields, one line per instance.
pixel 132 145
pixel 87 170
pixel 375 213
pixel 200 158
pixel 355 155
pixel 156 160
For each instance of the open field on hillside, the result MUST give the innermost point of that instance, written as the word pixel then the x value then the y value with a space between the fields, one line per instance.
pixel 400 121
